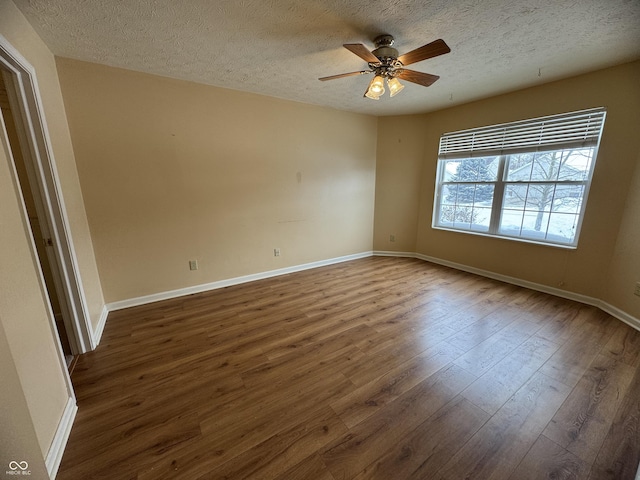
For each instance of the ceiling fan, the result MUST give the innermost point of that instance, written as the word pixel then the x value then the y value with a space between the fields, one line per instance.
pixel 385 63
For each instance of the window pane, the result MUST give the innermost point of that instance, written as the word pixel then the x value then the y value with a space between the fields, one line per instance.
pixel 483 194
pixel 531 224
pixel 540 197
pixel 449 169
pixel 446 216
pixel 483 169
pixel 466 206
pixel 466 193
pixel 481 219
pixel 459 216
pixel 534 225
pixel 577 165
pixel 449 194
pixel 541 211
pixel 568 198
pixel 515 196
pixel 546 166
pixel 562 165
pixel 463 217
pixel 562 227
pixel 511 222
pixel 519 167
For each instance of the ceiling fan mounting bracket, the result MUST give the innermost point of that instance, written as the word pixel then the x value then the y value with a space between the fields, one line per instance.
pixel 383 41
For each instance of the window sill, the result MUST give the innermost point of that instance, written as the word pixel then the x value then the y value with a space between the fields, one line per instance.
pixel 504 237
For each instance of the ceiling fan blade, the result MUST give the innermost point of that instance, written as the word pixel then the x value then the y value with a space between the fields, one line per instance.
pixel 342 75
pixel 362 51
pixel 424 79
pixel 430 50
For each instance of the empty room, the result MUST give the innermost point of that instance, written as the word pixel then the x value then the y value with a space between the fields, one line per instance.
pixel 320 240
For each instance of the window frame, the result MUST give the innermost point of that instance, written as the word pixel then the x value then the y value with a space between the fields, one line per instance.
pixel 502 149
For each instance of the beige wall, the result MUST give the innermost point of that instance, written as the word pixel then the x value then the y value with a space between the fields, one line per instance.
pixel 583 270
pixel 173 171
pixel 23 307
pixel 18 442
pixel 401 150
pixel 624 271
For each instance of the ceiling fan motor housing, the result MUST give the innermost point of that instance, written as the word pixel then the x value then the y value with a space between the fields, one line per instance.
pixel 384 50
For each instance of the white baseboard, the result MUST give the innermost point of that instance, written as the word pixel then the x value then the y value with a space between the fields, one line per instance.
pixel 596 302
pixel 513 280
pixel 56 450
pixel 102 321
pixel 156 297
pixel 620 315
pixel 383 253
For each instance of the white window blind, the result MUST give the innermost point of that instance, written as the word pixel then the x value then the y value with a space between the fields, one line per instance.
pixel 572 130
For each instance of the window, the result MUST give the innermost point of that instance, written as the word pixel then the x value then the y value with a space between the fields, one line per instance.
pixel 525 180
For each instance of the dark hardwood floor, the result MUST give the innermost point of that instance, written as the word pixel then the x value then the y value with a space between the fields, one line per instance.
pixel 379 368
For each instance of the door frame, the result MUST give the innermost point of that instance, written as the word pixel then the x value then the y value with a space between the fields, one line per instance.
pixel 38 154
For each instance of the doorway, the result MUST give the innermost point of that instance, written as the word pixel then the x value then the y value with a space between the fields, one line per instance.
pixel 40 232
pixel 36 174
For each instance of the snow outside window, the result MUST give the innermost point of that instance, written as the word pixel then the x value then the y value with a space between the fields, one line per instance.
pixel 525 180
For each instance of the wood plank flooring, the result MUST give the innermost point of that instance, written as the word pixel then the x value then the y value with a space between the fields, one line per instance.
pixel 380 368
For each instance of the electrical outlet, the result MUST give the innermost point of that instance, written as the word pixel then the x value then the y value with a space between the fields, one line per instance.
pixel 392 238
pixel 193 264
pixel 276 252
pixel 637 290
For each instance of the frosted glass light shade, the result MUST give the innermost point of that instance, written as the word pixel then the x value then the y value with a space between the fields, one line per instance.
pixel 394 86
pixel 376 88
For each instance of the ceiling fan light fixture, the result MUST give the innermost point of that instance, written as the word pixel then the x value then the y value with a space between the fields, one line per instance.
pixel 394 86
pixel 385 63
pixel 376 88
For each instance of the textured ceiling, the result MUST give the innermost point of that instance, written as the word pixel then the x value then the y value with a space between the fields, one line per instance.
pixel 280 47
